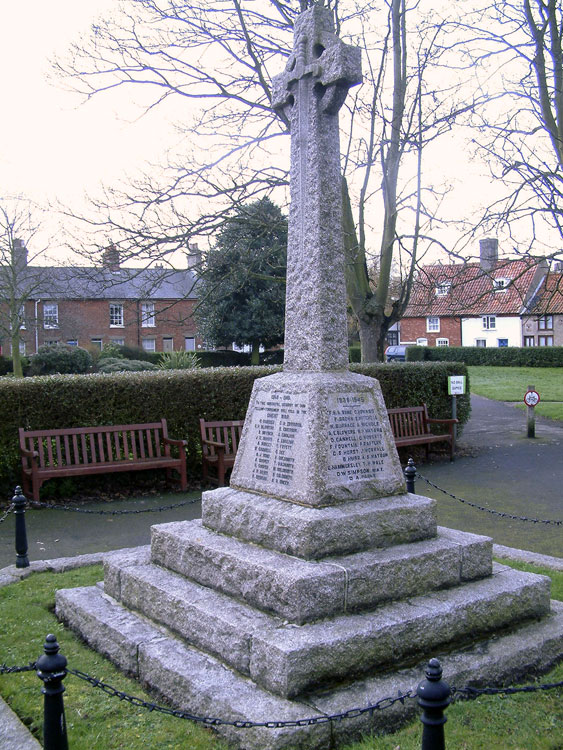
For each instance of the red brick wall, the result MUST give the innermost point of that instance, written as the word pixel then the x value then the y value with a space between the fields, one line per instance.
pixel 414 328
pixel 84 320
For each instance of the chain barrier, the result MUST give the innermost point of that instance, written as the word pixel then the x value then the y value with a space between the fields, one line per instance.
pixel 14 670
pixel 489 510
pixel 7 513
pixel 381 705
pixel 73 508
pixel 471 692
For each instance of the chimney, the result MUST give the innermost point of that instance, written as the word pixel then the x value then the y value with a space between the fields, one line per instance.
pixel 19 253
pixel 488 253
pixel 194 256
pixel 110 258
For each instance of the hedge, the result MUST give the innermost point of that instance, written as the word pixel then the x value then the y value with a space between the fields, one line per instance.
pixel 503 356
pixel 182 397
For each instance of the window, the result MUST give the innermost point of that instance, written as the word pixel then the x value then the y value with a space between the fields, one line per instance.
pixel 72 342
pixel 50 315
pixel 149 345
pixel 167 344
pixel 115 315
pixel 148 319
pixel 545 323
pixel 442 342
pixel 97 343
pixel 393 338
pixel 503 342
pixel 21 315
pixel 545 340
pixel 189 344
pixel 118 342
pixel 500 284
pixel 422 342
pixel 22 348
pixel 528 341
pixel 489 322
pixel 433 324
pixel 481 342
pixel 443 289
pixel 51 342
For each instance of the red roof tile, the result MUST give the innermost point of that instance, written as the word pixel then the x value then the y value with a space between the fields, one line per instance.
pixel 550 299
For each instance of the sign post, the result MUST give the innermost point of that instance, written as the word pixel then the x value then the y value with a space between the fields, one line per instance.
pixel 531 399
pixel 456 387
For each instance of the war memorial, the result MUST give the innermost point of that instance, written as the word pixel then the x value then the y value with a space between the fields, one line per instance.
pixel 314 583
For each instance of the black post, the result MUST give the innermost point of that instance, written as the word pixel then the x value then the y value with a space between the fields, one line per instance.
pixel 19 501
pixel 51 668
pixel 410 474
pixel 433 697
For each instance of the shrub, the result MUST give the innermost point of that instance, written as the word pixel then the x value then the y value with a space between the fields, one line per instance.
pixel 59 358
pixel 111 351
pixel 182 397
pixel 138 353
pixel 112 364
pixel 6 365
pixel 223 358
pixel 355 353
pixel 503 356
pixel 180 360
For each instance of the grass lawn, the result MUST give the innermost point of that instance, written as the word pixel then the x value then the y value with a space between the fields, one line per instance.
pixel 99 722
pixel 511 383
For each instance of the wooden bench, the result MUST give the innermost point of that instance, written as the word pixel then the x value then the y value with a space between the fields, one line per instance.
pixel 219 445
pixel 74 451
pixel 411 426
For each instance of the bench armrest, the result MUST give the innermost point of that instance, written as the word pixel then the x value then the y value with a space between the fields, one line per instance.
pixel 171 441
pixel 29 454
pixel 213 444
pixel 444 421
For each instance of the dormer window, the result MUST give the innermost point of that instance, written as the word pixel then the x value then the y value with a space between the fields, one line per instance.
pixel 500 284
pixel 443 289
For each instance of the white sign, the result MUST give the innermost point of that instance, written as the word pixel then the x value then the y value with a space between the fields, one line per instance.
pixel 456 385
pixel 532 398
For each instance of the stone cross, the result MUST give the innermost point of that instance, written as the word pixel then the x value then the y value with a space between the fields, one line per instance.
pixel 309 93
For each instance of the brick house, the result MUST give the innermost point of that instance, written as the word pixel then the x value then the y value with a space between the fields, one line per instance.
pixel 472 304
pixel 543 323
pixel 150 308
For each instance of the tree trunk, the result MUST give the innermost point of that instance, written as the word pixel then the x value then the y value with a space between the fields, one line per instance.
pixel 369 338
pixel 255 355
pixel 16 357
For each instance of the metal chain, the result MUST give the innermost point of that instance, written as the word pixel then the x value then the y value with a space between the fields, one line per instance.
pixel 488 510
pixel 7 513
pixel 49 506
pixel 13 670
pixel 471 692
pixel 242 724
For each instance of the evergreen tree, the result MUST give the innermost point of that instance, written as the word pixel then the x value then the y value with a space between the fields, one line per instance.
pixel 242 289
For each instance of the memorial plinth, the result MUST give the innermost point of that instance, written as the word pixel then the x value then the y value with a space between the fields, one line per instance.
pixel 314 584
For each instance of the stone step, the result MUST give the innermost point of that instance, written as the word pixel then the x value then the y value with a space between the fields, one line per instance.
pixel 313 533
pixel 288 660
pixel 302 591
pixel 201 684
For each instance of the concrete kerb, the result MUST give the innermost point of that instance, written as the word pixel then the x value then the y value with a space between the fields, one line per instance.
pixel 15 735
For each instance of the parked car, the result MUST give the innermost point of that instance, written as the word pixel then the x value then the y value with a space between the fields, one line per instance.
pixel 396 353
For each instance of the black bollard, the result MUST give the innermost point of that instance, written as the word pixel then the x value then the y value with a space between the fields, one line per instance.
pixel 433 697
pixel 51 668
pixel 410 475
pixel 19 501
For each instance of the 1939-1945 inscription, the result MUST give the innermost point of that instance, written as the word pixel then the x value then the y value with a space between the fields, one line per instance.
pixel 356 445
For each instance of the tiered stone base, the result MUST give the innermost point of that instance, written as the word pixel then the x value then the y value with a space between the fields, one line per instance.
pixel 266 611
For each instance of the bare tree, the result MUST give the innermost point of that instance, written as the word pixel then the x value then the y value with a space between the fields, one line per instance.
pixel 518 49
pixel 216 60
pixel 18 281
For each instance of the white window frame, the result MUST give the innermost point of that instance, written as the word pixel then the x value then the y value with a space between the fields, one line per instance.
pixel 167 343
pixel 97 342
pixel 529 341
pixel 422 341
pixel 189 348
pixel 148 315
pixel 118 342
pixel 50 315
pixel 502 345
pixel 442 342
pixel 149 345
pixel 72 342
pixel 116 314
pixel 501 284
pixel 481 343
pixel 489 322
pixel 443 289
pixel 433 324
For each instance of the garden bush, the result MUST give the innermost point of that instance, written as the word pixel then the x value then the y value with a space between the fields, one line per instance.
pixel 182 397
pixel 59 358
pixel 179 360
pixel 502 356
pixel 112 364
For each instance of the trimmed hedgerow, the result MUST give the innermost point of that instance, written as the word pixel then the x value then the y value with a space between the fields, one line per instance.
pixel 182 397
pixel 503 356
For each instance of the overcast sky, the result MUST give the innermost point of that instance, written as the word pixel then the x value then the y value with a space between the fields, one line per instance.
pixel 52 147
